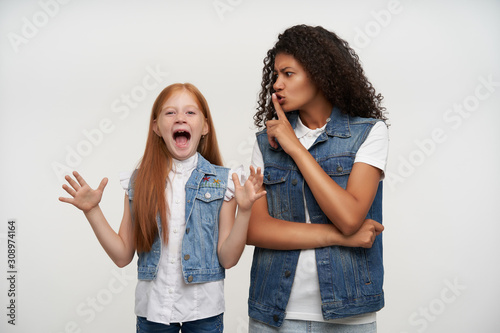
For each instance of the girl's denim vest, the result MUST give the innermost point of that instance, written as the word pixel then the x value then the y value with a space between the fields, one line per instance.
pixel 350 279
pixel 205 191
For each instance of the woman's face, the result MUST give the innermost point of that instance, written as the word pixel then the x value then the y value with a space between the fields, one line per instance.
pixel 294 89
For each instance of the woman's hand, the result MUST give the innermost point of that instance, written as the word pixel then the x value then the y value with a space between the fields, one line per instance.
pixel 281 130
pixel 247 194
pixel 83 196
pixel 365 236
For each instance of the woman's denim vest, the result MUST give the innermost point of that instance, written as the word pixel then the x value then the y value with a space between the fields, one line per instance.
pixel 205 191
pixel 350 279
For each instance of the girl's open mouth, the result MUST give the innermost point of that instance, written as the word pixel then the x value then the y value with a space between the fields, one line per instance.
pixel 181 138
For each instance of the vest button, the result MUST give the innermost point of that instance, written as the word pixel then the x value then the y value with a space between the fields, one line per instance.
pixel 276 318
pixel 294 182
pixel 207 195
pixel 186 257
pixel 190 278
pixel 288 273
pixel 339 169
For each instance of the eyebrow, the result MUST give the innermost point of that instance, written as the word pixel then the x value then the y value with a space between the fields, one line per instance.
pixel 186 106
pixel 284 69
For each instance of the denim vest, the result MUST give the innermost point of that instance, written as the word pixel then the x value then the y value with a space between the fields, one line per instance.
pixel 350 279
pixel 205 191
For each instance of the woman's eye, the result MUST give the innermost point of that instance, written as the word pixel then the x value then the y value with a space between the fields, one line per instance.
pixel 288 73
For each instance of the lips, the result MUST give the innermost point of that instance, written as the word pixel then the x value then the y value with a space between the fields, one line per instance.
pixel 281 99
pixel 181 138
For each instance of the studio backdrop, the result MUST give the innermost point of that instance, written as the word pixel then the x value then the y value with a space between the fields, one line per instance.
pixel 77 83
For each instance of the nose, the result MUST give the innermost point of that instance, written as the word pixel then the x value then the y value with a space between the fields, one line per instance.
pixel 180 117
pixel 278 84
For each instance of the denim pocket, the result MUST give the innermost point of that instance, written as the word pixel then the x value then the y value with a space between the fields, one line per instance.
pixel 277 187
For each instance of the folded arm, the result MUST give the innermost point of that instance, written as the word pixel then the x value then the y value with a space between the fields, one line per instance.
pixel 271 233
pixel 346 208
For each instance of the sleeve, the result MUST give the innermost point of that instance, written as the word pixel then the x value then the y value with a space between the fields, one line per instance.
pixel 257 159
pixel 125 179
pixel 242 177
pixel 374 150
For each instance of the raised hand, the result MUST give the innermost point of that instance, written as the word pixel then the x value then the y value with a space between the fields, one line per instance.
pixel 82 195
pixel 247 194
pixel 280 129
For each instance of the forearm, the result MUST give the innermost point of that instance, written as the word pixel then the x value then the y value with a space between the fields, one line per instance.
pixel 346 208
pixel 285 235
pixel 231 249
pixel 112 243
pixel 271 233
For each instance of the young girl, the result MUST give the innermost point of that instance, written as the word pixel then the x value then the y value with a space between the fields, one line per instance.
pixel 323 153
pixel 179 215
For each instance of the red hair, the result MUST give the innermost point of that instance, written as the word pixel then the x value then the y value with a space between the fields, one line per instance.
pixel 152 173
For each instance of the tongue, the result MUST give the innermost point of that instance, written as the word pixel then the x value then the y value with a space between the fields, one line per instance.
pixel 181 140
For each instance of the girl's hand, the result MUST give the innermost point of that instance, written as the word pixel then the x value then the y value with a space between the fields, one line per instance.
pixel 281 130
pixel 83 196
pixel 247 194
pixel 365 236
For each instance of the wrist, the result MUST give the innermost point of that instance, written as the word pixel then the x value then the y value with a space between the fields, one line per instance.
pixel 335 238
pixel 91 211
pixel 297 152
pixel 244 212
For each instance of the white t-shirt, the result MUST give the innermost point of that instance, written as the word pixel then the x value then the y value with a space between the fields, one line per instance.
pixel 305 297
pixel 168 299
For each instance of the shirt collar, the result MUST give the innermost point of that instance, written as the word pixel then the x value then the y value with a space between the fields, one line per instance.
pixel 337 126
pixel 186 165
pixel 302 130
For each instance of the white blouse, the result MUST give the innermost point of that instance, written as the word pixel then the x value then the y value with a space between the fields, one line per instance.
pixel 168 299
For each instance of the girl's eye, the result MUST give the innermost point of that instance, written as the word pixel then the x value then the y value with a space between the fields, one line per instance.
pixel 288 73
pixel 191 112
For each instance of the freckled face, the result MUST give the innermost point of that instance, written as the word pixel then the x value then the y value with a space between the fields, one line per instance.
pixel 294 89
pixel 181 124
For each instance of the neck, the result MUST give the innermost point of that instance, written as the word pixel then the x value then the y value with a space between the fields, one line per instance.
pixel 315 114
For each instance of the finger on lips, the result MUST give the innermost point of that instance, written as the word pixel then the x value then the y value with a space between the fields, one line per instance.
pixel 277 107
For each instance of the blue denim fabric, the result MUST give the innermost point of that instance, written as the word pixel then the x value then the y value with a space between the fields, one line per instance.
pixel 350 279
pixel 205 191
pixel 299 326
pixel 208 325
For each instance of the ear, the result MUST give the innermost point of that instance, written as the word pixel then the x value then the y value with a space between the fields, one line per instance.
pixel 156 129
pixel 205 129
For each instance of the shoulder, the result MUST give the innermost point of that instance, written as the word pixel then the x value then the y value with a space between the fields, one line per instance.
pixel 262 132
pixel 354 120
pixel 206 167
pixel 126 178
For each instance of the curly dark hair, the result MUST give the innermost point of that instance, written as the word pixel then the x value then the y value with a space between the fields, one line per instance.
pixel 332 66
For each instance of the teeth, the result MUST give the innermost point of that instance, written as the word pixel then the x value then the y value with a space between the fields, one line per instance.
pixel 182 133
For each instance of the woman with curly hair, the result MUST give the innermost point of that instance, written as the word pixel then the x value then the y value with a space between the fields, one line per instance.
pixel 323 152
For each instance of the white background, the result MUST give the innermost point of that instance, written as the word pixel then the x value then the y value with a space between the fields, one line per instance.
pixel 67 67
